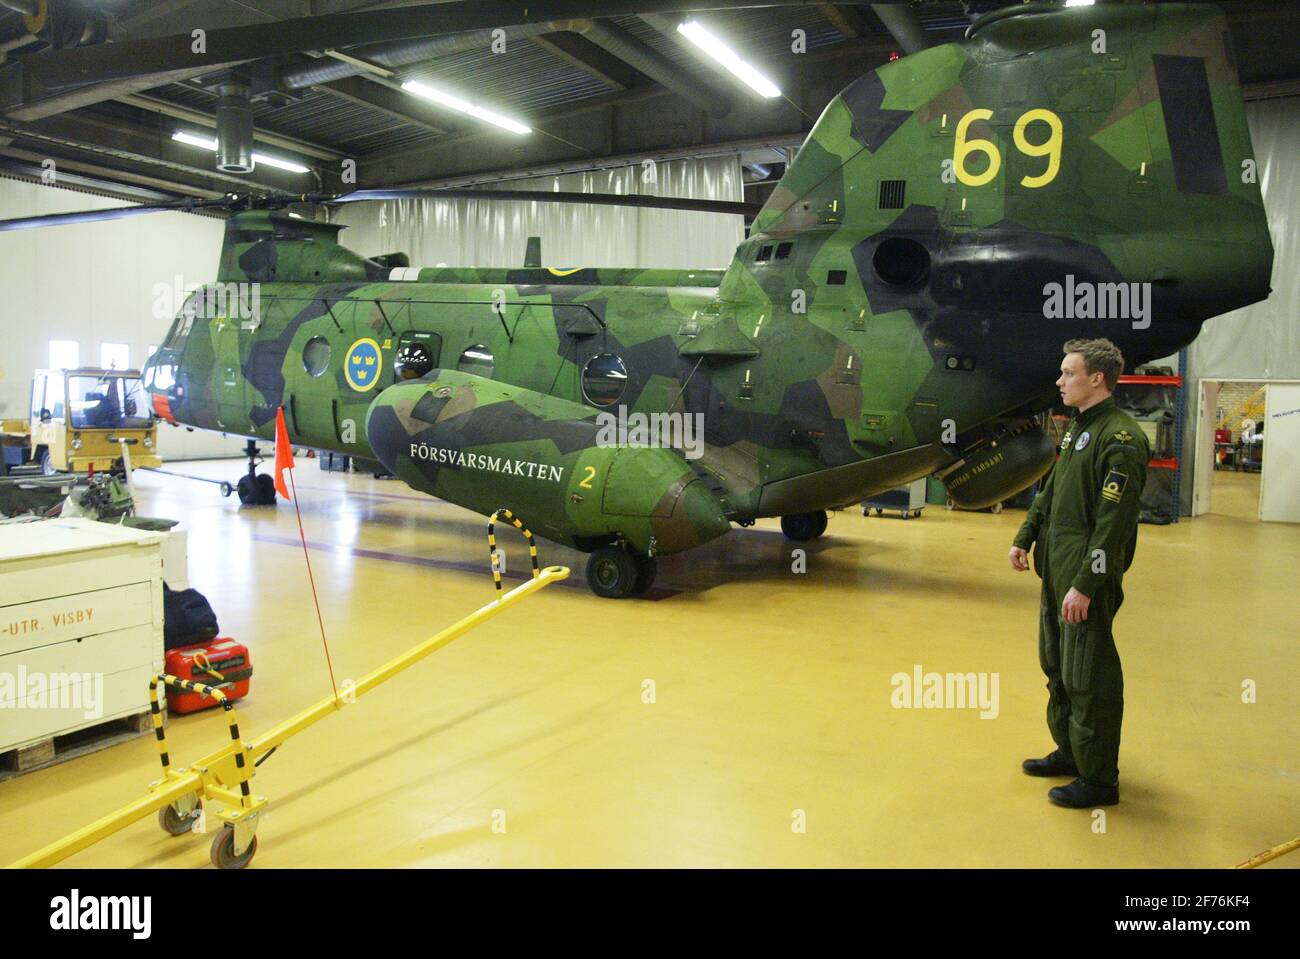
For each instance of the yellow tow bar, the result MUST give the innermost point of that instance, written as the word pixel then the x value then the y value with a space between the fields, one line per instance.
pixel 1268 855
pixel 218 784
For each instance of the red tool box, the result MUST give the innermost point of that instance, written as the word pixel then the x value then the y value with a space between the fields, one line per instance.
pixel 219 662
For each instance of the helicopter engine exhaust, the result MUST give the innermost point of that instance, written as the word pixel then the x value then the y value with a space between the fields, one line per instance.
pixel 1000 464
pixel 483 445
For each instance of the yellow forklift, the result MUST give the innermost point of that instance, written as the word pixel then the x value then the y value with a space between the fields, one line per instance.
pixel 81 419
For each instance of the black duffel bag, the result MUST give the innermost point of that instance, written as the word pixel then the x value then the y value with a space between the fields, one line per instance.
pixel 187 618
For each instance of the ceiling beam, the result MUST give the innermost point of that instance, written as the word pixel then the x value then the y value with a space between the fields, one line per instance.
pixel 590 59
pixel 847 20
pixel 113 176
pixel 559 112
pixel 364 91
pixel 902 21
pixel 68 133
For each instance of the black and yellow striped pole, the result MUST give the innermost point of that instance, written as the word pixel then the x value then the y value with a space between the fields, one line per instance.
pixel 494 556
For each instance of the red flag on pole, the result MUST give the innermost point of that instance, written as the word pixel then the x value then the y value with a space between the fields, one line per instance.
pixel 283 453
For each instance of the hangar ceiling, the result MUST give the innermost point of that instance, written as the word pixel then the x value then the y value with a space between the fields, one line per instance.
pixel 102 86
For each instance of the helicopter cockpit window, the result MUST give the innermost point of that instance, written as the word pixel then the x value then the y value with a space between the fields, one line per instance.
pixel 316 355
pixel 182 325
pixel 604 379
pixel 764 255
pixel 477 360
pixel 783 250
pixel 107 403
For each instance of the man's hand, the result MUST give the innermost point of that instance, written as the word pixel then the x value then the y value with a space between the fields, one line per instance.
pixel 1019 559
pixel 1075 607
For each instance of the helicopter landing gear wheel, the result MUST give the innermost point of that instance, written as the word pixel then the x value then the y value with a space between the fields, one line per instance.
pixel 247 489
pixel 265 490
pixel 646 570
pixel 612 572
pixel 222 853
pixel 802 527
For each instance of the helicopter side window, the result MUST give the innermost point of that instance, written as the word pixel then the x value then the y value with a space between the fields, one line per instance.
pixel 764 255
pixel 478 360
pixel 316 355
pixel 417 355
pixel 603 379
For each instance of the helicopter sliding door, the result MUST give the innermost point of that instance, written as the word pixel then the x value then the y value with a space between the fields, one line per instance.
pixel 229 347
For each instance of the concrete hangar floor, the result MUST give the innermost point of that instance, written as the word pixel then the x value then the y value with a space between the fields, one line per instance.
pixel 773 698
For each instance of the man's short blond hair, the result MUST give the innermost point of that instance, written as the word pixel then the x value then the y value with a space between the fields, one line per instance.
pixel 1099 356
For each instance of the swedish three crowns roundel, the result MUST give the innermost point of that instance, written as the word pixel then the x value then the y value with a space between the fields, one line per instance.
pixel 362 365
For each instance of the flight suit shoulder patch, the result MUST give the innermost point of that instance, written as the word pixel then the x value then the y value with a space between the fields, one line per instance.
pixel 1124 436
pixel 1112 488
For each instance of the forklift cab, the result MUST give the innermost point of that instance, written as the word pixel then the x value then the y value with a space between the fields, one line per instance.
pixel 80 418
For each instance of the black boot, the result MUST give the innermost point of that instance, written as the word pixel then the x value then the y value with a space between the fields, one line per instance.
pixel 1057 764
pixel 1082 794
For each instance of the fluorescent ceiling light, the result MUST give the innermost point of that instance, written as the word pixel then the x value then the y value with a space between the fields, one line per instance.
pixel 728 57
pixel 207 143
pixel 1079 3
pixel 446 99
pixel 280 164
pixel 195 141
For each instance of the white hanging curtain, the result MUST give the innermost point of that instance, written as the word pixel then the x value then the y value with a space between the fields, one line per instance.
pixel 470 232
pixel 1262 341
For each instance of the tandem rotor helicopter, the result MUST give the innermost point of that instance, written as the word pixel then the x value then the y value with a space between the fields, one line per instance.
pixel 886 318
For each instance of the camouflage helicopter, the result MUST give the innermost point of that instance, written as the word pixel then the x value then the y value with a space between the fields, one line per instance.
pixel 897 310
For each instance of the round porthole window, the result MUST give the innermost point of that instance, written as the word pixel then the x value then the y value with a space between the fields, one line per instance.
pixel 604 379
pixel 316 355
pixel 477 360
pixel 413 361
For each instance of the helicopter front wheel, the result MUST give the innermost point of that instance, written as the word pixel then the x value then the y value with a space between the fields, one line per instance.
pixel 801 527
pixel 615 572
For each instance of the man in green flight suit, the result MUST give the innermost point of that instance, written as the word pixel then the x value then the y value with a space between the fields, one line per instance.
pixel 1084 522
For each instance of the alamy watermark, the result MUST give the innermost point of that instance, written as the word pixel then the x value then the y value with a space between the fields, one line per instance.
pixel 40 690
pixel 675 431
pixel 75 912
pixel 212 301
pixel 1098 301
pixel 921 690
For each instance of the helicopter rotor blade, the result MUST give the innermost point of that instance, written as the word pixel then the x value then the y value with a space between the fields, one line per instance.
pixel 114 213
pixel 546 196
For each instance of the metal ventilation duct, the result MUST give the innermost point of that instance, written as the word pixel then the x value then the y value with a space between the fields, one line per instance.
pixel 234 131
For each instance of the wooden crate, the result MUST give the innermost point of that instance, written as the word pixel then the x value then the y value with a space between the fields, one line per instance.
pixel 58 749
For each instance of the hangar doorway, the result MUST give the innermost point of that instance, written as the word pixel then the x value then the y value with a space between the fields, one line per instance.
pixel 1247 435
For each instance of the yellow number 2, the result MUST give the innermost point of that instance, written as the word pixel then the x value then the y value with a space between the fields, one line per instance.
pixel 963 147
pixel 591 475
pixel 1050 148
